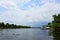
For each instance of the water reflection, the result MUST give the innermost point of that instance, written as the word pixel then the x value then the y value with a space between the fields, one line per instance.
pixel 56 35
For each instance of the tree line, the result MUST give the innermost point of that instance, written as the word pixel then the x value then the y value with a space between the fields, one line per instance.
pixel 7 25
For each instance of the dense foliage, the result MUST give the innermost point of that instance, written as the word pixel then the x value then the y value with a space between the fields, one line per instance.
pixel 7 25
pixel 56 22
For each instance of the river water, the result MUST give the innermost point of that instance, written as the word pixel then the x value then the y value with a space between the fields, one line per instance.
pixel 24 34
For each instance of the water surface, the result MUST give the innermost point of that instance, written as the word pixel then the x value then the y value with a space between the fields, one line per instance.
pixel 24 34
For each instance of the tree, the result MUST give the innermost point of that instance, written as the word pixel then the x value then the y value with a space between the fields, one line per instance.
pixel 49 24
pixel 56 23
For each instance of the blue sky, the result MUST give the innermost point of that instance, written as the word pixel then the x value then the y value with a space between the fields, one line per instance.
pixel 28 12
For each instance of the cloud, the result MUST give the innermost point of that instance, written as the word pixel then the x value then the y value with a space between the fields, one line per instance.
pixel 28 11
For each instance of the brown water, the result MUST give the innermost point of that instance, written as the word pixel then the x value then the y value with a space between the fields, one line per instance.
pixel 24 34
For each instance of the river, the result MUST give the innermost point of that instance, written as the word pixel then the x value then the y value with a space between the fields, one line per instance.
pixel 24 34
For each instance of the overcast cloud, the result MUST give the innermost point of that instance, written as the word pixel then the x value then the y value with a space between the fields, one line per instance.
pixel 26 12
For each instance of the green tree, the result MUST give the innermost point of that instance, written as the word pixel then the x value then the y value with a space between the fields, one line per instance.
pixel 56 21
pixel 49 24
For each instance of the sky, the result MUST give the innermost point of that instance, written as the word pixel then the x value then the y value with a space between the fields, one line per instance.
pixel 28 12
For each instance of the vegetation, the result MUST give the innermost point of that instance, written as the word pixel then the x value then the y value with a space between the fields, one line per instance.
pixel 55 23
pixel 7 25
pixel 49 24
pixel 55 27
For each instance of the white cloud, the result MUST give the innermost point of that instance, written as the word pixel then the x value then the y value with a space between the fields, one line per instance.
pixel 17 16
